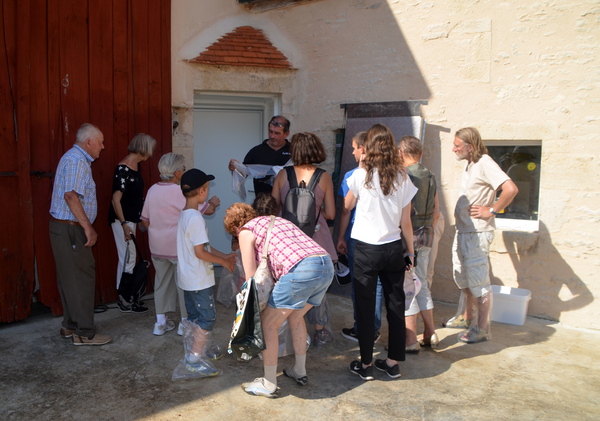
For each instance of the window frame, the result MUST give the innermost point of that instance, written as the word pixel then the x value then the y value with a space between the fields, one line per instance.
pixel 510 224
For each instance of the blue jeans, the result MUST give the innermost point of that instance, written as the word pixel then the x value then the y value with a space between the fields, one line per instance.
pixel 200 306
pixel 351 244
pixel 305 283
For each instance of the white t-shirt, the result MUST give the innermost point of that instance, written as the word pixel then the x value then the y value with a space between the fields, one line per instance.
pixel 478 186
pixel 193 274
pixel 377 218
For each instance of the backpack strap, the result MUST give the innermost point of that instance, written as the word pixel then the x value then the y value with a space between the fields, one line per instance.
pixel 268 238
pixel 291 176
pixel 314 180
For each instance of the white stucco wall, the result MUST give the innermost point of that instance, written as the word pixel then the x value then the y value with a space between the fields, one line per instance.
pixel 513 70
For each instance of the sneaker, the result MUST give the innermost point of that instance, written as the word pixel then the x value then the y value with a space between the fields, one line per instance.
pixel 66 333
pixel 350 333
pixel 474 335
pixel 393 372
pixel 413 349
pixel 259 388
pixel 180 330
pixel 322 337
pixel 302 381
pixel 202 368
pixel 458 322
pixel 97 339
pixel 364 373
pixel 131 308
pixel 137 308
pixel 160 330
pixel 214 353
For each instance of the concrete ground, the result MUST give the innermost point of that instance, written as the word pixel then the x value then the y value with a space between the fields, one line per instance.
pixel 541 371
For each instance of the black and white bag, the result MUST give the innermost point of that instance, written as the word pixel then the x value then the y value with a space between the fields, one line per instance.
pixel 133 285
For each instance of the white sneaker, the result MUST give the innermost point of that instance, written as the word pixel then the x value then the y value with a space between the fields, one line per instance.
pixel 260 387
pixel 160 330
pixel 180 330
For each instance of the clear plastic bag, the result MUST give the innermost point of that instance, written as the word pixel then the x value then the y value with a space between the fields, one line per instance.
pixel 412 286
pixel 199 352
pixel 227 289
pixel 320 315
pixel 286 343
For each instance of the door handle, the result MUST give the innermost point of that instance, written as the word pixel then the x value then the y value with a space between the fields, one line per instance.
pixel 41 174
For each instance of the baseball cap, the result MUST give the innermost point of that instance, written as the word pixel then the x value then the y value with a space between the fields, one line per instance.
pixel 193 179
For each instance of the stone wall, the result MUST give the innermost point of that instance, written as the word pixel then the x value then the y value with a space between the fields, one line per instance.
pixel 515 70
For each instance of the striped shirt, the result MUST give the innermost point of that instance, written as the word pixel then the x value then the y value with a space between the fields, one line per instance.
pixel 287 247
pixel 74 173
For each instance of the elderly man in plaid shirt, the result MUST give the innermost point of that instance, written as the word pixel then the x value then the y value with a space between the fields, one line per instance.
pixel 72 213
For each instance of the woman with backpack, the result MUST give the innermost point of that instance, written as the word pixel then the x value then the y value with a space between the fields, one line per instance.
pixel 293 190
pixel 382 192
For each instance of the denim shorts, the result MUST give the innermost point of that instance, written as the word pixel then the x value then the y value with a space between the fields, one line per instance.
pixel 305 283
pixel 200 306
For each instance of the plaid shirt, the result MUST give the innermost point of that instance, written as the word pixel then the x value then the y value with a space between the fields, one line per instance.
pixel 287 247
pixel 74 173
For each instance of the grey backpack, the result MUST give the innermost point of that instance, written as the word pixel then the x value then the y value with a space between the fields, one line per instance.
pixel 300 205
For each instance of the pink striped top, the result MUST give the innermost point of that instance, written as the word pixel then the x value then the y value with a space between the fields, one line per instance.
pixel 287 247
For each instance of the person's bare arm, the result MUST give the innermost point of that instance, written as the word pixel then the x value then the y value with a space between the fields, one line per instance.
pixel 215 256
pixel 509 191
pixel 350 201
pixel 326 185
pixel 280 179
pixel 116 202
pixel 407 233
pixel 74 204
pixel 342 246
pixel 246 240
pixel 213 203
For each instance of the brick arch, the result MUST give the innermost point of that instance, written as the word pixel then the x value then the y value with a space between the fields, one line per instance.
pixel 244 46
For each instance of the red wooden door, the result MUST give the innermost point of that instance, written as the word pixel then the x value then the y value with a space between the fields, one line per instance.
pixel 68 62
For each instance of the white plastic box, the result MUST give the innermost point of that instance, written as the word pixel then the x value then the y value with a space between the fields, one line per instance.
pixel 510 304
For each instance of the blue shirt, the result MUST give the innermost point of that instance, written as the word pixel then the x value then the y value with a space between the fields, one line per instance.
pixel 74 173
pixel 343 192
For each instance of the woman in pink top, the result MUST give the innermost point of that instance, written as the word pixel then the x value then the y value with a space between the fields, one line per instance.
pixel 160 216
pixel 303 271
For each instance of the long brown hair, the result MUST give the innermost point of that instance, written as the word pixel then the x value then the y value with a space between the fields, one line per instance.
pixel 471 136
pixel 381 154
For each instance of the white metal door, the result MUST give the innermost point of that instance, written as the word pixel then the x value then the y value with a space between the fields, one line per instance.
pixel 226 127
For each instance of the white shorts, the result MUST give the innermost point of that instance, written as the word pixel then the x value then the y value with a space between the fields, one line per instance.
pixel 470 260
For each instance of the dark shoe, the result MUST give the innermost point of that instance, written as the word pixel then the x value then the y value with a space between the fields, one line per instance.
pixel 66 333
pixel 124 308
pixel 366 374
pixel 302 381
pixel 350 333
pixel 97 339
pixel 393 372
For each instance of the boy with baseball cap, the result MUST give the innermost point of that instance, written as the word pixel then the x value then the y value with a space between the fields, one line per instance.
pixel 195 273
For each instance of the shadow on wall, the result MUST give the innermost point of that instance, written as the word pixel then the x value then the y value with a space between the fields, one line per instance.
pixel 555 287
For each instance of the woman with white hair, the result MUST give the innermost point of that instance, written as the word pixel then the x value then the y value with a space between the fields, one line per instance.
pixel 160 215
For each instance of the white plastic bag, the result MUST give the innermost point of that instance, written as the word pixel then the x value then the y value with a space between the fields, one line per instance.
pixel 412 286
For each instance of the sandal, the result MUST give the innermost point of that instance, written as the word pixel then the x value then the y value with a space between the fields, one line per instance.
pixel 302 381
